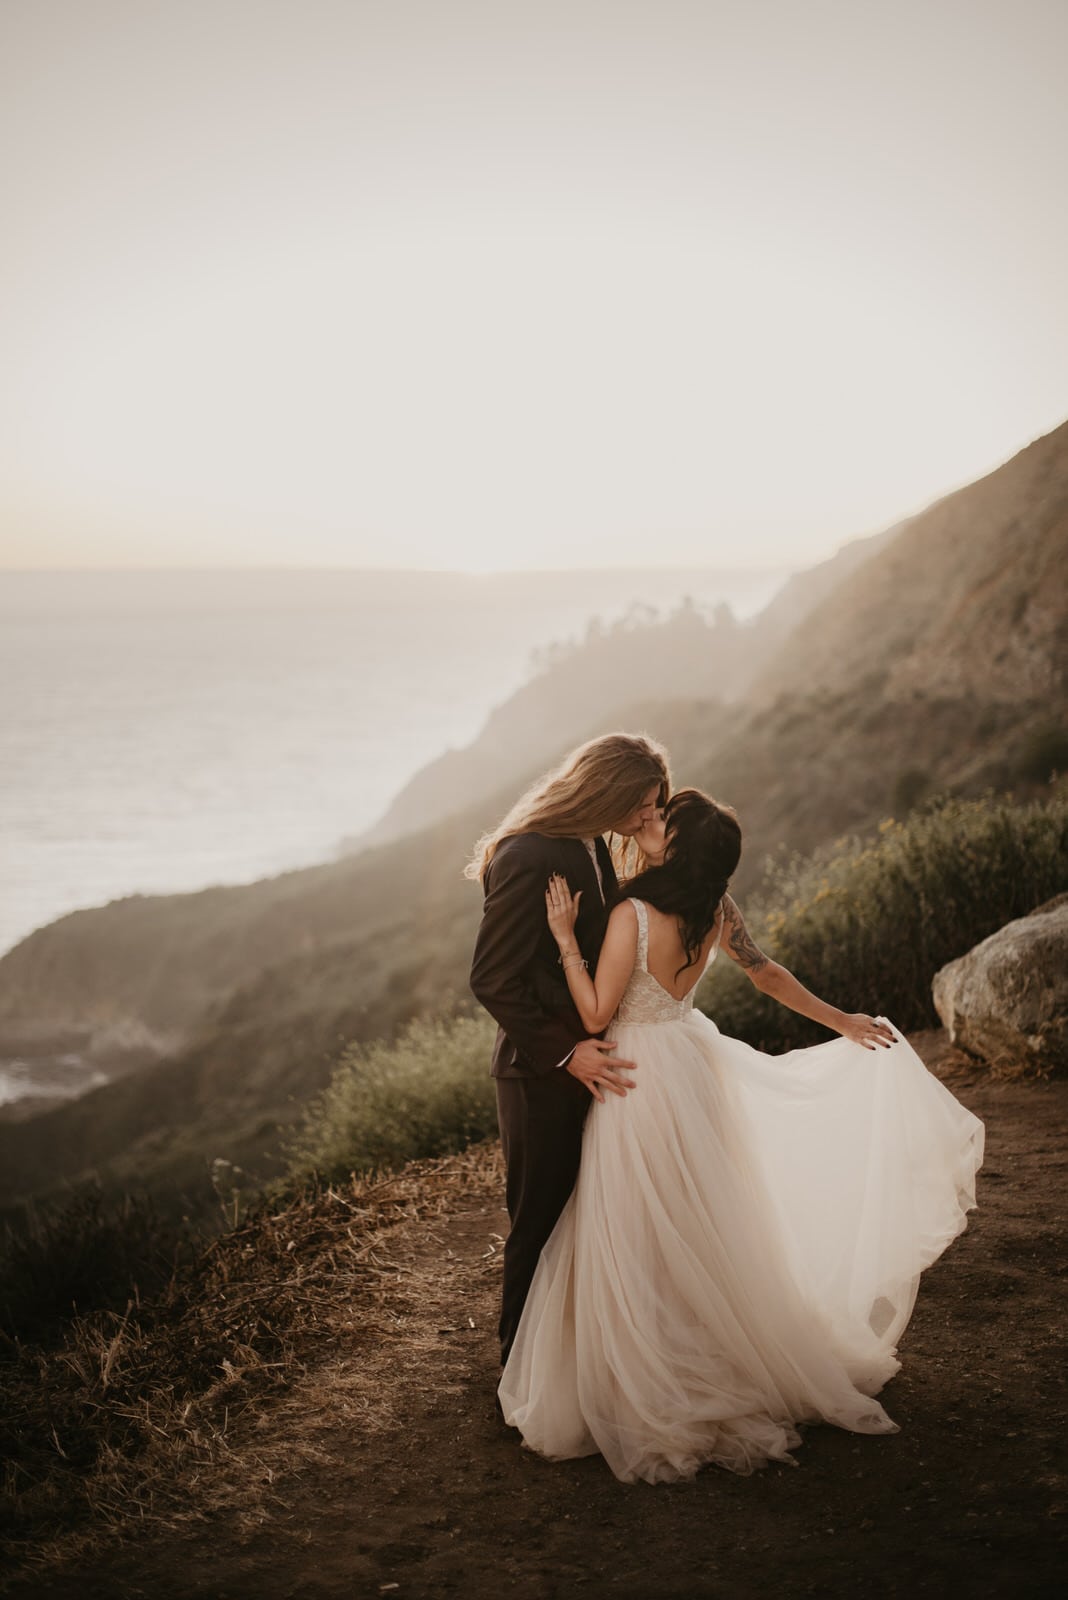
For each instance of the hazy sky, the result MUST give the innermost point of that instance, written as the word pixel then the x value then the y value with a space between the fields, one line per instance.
pixel 439 283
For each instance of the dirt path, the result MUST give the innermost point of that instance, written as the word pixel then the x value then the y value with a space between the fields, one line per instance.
pixel 404 1483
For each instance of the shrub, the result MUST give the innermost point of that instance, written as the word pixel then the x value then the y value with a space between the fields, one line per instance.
pixel 1044 754
pixel 867 924
pixel 428 1093
pixel 88 1255
pixel 912 786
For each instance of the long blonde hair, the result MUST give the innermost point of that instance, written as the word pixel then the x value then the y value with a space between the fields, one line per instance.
pixel 595 787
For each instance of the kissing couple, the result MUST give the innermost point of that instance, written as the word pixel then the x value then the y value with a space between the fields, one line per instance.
pixel 709 1246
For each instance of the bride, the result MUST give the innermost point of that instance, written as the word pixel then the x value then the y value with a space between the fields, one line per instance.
pixel 743 1246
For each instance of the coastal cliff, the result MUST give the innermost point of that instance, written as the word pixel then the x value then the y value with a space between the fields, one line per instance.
pixel 930 659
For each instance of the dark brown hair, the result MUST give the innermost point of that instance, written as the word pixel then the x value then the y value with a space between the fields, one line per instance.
pixel 704 844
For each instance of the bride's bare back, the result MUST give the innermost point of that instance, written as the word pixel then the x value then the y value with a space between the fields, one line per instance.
pixel 667 955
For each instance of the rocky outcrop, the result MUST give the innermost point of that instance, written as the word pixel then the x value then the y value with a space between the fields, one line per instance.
pixel 1006 1001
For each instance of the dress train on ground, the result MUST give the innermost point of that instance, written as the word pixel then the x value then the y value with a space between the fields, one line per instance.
pixel 742 1249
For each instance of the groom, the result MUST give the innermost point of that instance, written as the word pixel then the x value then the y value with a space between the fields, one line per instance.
pixel 545 1064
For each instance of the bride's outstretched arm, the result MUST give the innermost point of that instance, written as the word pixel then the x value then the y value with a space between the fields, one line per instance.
pixel 596 997
pixel 776 981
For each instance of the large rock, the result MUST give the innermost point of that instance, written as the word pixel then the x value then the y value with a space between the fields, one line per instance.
pixel 1006 1001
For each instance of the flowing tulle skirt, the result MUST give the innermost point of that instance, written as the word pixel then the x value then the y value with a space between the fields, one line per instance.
pixel 741 1252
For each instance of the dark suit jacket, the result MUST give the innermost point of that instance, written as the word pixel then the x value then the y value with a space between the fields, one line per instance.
pixel 516 972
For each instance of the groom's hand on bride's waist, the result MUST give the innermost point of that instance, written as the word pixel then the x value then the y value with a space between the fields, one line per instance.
pixel 593 1064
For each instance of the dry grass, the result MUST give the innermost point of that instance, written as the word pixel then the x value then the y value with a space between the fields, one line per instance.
pixel 199 1388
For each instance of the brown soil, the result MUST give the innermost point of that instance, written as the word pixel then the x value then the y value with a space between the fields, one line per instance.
pixel 401 1480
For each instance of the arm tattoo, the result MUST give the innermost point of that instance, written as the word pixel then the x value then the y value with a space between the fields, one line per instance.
pixel 746 953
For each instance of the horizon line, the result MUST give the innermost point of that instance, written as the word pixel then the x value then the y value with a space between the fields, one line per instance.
pixel 403 572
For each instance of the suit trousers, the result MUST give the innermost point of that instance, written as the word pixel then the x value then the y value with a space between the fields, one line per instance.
pixel 541 1120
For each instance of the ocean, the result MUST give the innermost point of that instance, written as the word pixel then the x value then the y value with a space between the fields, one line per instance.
pixel 163 731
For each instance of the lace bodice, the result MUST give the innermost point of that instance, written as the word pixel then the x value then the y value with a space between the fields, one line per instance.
pixel 645 999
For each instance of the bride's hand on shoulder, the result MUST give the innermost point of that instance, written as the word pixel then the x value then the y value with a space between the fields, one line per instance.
pixel 561 907
pixel 868 1031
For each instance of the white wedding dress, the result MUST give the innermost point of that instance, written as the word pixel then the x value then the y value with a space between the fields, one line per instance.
pixel 742 1248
